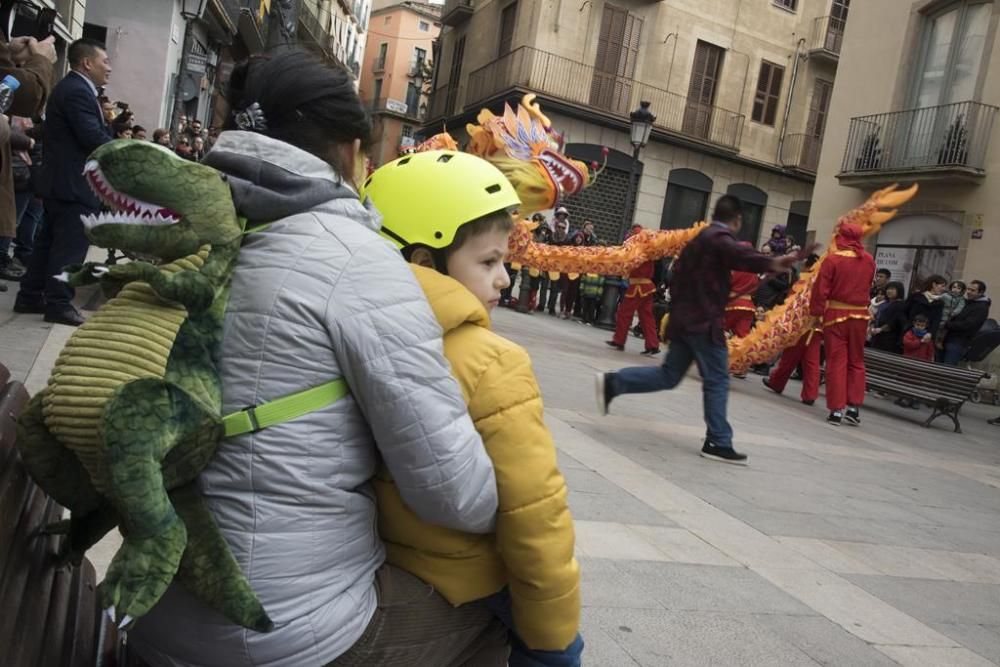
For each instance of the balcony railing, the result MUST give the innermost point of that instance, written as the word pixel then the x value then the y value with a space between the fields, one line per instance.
pixel 379 65
pixel 827 36
pixel 564 79
pixel 443 102
pixel 801 151
pixel 456 12
pixel 397 107
pixel 950 138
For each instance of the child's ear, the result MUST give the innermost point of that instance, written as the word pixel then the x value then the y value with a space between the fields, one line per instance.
pixel 422 257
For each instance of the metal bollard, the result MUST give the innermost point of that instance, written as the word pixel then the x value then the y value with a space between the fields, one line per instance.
pixel 609 302
pixel 524 295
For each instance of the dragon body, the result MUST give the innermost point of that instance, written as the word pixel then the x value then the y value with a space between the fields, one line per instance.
pixel 523 145
pixel 132 411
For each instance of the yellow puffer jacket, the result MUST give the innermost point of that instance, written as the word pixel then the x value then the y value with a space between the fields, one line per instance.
pixel 532 549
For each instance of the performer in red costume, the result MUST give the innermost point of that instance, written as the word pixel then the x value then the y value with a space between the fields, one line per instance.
pixel 805 351
pixel 840 299
pixel 638 297
pixel 740 310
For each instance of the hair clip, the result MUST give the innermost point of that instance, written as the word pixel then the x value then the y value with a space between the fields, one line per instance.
pixel 251 119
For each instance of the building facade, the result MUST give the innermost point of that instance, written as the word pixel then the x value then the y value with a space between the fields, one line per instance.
pixel 18 19
pixel 339 28
pixel 145 43
pixel 396 74
pixel 918 104
pixel 740 91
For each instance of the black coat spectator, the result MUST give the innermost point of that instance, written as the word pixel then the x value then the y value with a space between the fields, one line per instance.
pixel 928 303
pixel 890 320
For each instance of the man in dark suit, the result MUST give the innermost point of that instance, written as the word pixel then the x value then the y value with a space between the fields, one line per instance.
pixel 74 127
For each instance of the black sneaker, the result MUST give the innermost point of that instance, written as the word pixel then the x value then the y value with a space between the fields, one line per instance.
pixel 649 352
pixel 852 417
pixel 836 418
pixel 602 388
pixel 611 343
pixel 767 384
pixel 723 454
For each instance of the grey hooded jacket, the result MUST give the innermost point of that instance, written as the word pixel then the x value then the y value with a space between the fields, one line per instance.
pixel 315 296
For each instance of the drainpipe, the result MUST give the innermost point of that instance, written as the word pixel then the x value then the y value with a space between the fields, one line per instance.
pixel 673 54
pixel 788 101
pixel 555 19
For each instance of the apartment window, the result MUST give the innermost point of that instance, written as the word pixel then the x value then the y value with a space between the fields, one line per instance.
pixel 378 93
pixel 412 98
pixel 765 101
pixel 508 21
pixel 419 60
pixel 455 75
pixel 424 26
pixel 383 50
pixel 705 73
pixel 614 65
pixel 951 53
pixel 407 132
pixel 790 5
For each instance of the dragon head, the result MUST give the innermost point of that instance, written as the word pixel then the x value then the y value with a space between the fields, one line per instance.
pixel 161 205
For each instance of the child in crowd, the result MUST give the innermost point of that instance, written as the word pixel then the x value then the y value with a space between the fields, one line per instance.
pixel 591 289
pixel 918 343
pixel 525 570
pixel 954 303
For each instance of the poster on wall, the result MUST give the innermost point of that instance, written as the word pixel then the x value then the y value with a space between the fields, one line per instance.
pixel 899 261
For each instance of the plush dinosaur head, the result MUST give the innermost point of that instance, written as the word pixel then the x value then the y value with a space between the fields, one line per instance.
pixel 162 205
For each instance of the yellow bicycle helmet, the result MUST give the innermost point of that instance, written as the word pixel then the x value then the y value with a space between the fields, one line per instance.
pixel 425 197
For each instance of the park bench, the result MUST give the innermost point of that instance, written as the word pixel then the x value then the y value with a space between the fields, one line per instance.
pixel 48 615
pixel 944 388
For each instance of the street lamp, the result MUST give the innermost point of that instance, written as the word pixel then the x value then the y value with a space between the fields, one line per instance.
pixel 191 11
pixel 641 127
pixel 642 120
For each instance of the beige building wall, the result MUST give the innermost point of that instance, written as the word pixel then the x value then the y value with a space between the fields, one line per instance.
pixel 749 31
pixel 398 27
pixel 874 76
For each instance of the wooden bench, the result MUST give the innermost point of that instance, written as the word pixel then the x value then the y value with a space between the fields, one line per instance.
pixel 48 615
pixel 944 388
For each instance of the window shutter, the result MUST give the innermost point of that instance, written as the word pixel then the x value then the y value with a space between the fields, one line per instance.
pixel 508 22
pixel 701 90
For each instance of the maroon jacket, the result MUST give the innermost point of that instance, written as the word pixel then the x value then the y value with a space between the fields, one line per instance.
pixel 699 290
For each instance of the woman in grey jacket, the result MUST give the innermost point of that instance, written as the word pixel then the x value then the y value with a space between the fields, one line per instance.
pixel 315 296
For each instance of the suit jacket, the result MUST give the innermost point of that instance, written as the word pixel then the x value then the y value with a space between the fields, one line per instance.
pixel 35 76
pixel 74 127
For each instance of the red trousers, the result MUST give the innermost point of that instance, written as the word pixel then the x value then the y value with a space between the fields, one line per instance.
pixel 808 355
pixel 845 363
pixel 739 322
pixel 626 309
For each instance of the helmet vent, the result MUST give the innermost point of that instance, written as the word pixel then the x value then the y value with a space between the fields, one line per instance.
pixel 493 189
pixel 445 158
pixel 402 162
pixel 438 235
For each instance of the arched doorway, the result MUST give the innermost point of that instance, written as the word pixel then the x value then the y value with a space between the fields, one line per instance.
pixel 754 202
pixel 687 199
pixel 604 201
pixel 915 247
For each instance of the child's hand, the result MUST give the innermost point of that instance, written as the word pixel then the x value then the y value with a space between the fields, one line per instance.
pixel 927 338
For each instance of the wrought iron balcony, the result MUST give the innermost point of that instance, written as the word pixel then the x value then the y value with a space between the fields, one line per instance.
pixel 456 12
pixel 443 102
pixel 378 66
pixel 801 152
pixel 946 142
pixel 573 82
pixel 827 37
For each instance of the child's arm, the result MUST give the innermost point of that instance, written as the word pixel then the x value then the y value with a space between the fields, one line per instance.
pixel 910 342
pixel 534 527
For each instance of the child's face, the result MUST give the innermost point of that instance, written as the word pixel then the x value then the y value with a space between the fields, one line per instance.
pixel 956 289
pixel 478 265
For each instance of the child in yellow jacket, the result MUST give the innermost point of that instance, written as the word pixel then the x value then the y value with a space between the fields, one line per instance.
pixel 456 238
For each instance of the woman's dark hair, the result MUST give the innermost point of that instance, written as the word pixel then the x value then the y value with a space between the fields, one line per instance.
pixel 306 103
pixel 898 286
pixel 934 280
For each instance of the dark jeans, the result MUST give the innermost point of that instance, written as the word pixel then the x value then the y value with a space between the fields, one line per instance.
pixel 28 211
pixel 590 306
pixel 520 654
pixel 953 352
pixel 60 242
pixel 713 365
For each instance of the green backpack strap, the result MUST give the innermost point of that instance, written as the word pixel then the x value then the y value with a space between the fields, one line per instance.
pixel 286 408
